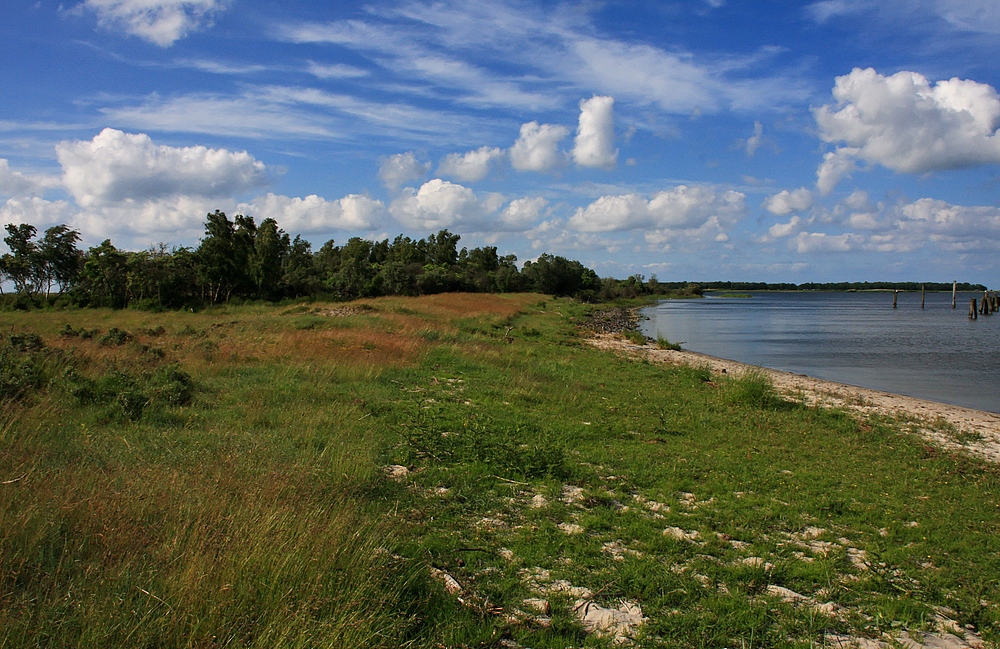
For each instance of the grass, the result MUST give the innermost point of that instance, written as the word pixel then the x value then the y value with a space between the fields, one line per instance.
pixel 246 502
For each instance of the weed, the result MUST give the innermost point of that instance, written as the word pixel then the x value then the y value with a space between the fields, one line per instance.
pixel 115 338
pixel 753 388
pixel 663 343
pixel 635 337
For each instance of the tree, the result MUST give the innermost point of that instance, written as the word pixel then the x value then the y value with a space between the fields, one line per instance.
pixel 24 265
pixel 266 259
pixel 62 260
pixel 104 279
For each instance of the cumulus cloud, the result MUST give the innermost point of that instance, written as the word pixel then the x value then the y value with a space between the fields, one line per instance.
pixel 537 147
pixel 442 204
pixel 16 183
pixel 908 124
pixel 780 230
pixel 117 166
pixel 36 210
pixel 161 22
pixel 595 135
pixel 698 212
pixel 317 214
pixel 472 166
pixel 785 202
pixel 399 169
pixel 752 143
pixel 835 167
pixel 810 242
pixel 523 213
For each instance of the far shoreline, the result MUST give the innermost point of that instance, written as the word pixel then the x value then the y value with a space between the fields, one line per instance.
pixel 953 427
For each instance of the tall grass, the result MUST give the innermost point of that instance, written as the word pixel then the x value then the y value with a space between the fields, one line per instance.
pixel 247 505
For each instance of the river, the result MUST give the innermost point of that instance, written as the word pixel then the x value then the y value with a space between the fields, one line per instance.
pixel 934 353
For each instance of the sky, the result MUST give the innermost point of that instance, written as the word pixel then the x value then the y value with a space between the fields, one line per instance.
pixel 698 140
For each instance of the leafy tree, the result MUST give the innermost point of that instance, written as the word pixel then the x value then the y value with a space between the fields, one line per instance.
pixel 61 259
pixel 104 281
pixel 24 265
pixel 266 259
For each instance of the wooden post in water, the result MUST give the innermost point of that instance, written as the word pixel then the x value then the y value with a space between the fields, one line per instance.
pixel 986 303
pixel 954 291
pixel 923 288
pixel 895 294
pixel 973 314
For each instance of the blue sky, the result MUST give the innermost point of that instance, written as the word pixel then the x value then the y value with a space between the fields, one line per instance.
pixel 695 140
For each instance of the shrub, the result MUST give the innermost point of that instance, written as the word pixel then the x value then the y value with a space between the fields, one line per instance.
pixel 753 388
pixel 115 338
pixel 21 372
pixel 663 343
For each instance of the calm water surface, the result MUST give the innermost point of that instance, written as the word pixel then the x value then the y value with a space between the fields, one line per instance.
pixel 933 353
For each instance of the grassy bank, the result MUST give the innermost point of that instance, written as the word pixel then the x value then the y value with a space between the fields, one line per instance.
pixel 220 479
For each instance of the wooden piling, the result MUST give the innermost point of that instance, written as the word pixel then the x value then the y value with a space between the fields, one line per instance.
pixel 923 290
pixel 895 294
pixel 954 293
pixel 973 314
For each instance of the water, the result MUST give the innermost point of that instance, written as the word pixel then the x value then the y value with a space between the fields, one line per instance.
pixel 934 353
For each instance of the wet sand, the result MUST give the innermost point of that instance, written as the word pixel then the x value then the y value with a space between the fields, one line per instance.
pixel 953 427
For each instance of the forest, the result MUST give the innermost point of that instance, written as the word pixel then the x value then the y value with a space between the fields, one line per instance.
pixel 240 260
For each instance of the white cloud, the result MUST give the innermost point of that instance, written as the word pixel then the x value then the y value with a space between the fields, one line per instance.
pixel 752 143
pixel 441 204
pixel 785 202
pixel 399 169
pixel 161 22
pixel 523 213
pixel 531 56
pixel 36 211
pixel 117 166
pixel 780 230
pixel 835 167
pixel 335 71
pixel 809 242
pixel 139 223
pixel 700 213
pixel 472 166
pixel 537 147
pixel 316 214
pixel 16 183
pixel 909 125
pixel 595 135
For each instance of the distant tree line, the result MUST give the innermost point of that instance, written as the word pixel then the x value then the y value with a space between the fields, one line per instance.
pixel 239 259
pixel 839 286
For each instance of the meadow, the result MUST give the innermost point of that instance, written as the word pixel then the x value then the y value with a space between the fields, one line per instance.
pixel 455 470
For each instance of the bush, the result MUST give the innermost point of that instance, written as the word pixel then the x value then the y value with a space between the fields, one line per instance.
pixel 115 338
pixel 663 343
pixel 753 388
pixel 21 372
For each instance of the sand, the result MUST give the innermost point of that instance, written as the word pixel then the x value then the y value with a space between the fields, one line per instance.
pixel 953 427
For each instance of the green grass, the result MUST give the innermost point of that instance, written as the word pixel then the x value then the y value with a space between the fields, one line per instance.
pixel 246 503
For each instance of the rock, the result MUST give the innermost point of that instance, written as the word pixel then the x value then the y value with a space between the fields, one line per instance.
pixel 396 472
pixel 538 605
pixel 681 535
pixel 620 624
pixel 570 528
pixel 451 584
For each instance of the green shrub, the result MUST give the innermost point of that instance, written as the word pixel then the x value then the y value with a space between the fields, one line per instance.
pixel 663 343
pixel 635 337
pixel 21 372
pixel 753 388
pixel 115 338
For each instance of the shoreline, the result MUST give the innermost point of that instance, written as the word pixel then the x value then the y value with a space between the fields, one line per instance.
pixel 952 427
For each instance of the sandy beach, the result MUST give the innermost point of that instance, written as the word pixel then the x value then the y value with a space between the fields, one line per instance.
pixel 953 427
